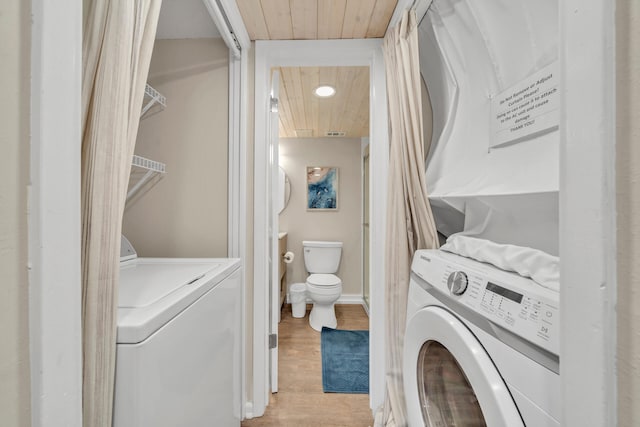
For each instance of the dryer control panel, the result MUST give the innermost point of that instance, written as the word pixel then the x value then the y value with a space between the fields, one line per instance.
pixel 515 303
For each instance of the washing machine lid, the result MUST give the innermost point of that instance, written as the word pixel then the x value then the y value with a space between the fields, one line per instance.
pixel 320 279
pixel 152 291
pixel 144 283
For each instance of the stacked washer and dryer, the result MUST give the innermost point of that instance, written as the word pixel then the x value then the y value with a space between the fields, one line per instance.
pixel 482 337
pixel 481 345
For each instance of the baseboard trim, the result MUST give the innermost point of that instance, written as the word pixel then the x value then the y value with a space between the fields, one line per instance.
pixel 248 410
pixel 350 299
pixel 344 299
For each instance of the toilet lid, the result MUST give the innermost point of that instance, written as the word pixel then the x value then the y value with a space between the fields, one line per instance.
pixel 324 280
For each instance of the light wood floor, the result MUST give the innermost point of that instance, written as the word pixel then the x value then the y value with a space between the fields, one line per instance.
pixel 300 400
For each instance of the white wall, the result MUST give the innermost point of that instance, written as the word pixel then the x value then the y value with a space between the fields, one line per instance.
pixel 344 225
pixel 15 26
pixel 185 213
pixel 628 206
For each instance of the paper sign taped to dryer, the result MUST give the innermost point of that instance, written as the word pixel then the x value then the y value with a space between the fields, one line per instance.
pixel 526 109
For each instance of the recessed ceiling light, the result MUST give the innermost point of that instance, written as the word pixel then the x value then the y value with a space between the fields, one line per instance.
pixel 324 91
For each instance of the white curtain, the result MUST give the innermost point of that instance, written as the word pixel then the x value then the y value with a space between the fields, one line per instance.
pixel 410 223
pixel 118 40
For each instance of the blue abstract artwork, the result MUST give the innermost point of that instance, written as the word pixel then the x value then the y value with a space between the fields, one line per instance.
pixel 322 188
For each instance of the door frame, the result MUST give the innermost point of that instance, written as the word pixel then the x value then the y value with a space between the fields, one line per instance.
pixel 54 220
pixel 319 53
pixel 273 130
pixel 588 293
pixel 364 156
pixel 237 223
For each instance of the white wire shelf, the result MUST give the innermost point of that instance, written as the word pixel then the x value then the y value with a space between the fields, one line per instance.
pixel 146 172
pixel 143 172
pixel 154 98
pixel 148 164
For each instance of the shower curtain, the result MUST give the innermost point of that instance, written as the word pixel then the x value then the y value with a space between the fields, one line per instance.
pixel 410 223
pixel 118 40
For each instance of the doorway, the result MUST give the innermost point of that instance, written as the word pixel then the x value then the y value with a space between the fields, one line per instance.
pixel 271 54
pixel 317 133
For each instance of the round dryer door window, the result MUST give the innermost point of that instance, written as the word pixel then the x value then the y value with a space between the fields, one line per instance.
pixel 445 393
pixel 449 379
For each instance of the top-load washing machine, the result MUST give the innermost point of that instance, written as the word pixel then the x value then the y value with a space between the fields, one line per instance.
pixel 178 344
pixel 481 346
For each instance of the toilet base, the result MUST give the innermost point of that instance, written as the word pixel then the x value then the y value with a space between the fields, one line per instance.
pixel 323 315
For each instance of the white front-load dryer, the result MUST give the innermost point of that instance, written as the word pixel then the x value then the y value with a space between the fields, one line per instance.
pixel 481 346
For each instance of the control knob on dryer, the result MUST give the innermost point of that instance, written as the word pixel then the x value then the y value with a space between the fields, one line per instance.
pixel 457 282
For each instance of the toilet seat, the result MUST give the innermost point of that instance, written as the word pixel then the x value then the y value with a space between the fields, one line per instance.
pixel 324 280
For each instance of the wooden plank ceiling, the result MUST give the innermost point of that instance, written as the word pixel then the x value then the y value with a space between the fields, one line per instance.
pixel 302 114
pixel 316 19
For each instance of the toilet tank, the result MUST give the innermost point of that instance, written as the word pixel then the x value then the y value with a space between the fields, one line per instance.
pixel 322 257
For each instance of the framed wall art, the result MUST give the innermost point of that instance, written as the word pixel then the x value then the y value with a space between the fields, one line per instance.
pixel 322 188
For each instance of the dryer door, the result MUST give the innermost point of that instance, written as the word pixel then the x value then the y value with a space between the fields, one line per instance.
pixel 449 379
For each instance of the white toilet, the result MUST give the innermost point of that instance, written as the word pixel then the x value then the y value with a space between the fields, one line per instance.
pixel 322 260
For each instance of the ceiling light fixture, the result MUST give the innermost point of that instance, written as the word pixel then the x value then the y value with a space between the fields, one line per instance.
pixel 324 91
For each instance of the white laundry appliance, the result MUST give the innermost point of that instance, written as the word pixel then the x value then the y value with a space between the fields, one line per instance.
pixel 178 345
pixel 481 346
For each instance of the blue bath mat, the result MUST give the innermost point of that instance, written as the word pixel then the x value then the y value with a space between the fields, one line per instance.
pixel 345 361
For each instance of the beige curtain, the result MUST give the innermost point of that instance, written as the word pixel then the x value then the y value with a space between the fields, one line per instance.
pixel 118 39
pixel 410 223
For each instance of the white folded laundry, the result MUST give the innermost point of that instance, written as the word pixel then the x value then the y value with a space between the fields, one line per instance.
pixel 543 268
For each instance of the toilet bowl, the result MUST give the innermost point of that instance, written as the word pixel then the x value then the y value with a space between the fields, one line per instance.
pixel 324 288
